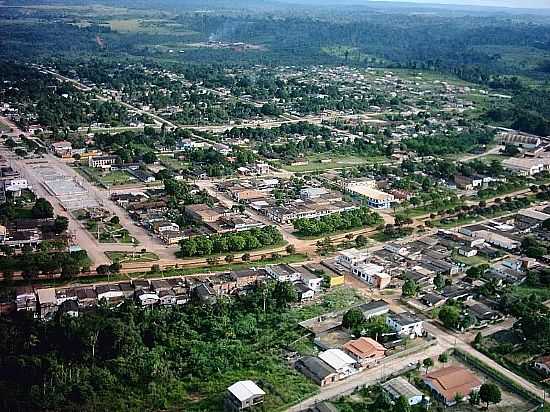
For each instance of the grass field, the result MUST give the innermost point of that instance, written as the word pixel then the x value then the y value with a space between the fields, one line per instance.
pixel 149 26
pixel 336 162
pixel 107 179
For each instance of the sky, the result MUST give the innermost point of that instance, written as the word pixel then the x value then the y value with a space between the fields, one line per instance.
pixel 524 4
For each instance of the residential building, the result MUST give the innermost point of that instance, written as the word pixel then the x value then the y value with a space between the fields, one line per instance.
pixel 317 370
pixel 110 292
pixel 338 360
pixel 146 297
pixel 365 351
pixel 47 302
pixel 374 308
pixel 304 293
pixel 102 162
pixel 446 383
pixel 373 274
pixel 283 273
pixel 243 395
pixel 351 257
pixel 309 193
pixel 399 387
pixel 405 324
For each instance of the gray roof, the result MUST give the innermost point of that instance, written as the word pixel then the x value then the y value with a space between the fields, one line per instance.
pixel 314 368
pixel 399 386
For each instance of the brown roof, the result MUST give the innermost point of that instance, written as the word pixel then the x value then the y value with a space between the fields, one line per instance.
pixel 452 380
pixel 364 347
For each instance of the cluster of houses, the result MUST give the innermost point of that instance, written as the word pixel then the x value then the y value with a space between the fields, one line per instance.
pixel 45 302
pixel 342 356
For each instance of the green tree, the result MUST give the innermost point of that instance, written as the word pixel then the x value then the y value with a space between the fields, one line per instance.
pixel 490 393
pixel 449 315
pixel 42 209
pixel 443 358
pixel 290 249
pixel 428 363
pixel 439 281
pixel 409 288
pixel 61 224
pixel 353 319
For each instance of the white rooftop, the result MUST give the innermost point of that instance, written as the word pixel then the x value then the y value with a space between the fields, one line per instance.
pixel 336 358
pixel 244 390
pixel 46 296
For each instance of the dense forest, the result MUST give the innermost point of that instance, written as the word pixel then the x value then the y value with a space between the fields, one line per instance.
pixel 128 358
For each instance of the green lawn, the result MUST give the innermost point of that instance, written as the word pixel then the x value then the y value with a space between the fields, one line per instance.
pixel 336 162
pixel 107 232
pixel 107 179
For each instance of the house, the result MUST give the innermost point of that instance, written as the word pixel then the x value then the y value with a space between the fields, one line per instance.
pixel 374 308
pixel 373 274
pixel 204 213
pixel 468 182
pixel 87 296
pixel 283 273
pixel 405 324
pixel 109 292
pixel 400 387
pixel 47 302
pixel 25 298
pixel 448 382
pixel 467 251
pixel 433 300
pixel 127 289
pixel 246 277
pixel 243 395
pixel 542 364
pixel 483 313
pixel 338 360
pixel 351 257
pixel 311 280
pixel 102 162
pixel 396 248
pixel 365 351
pixel 304 293
pixel 167 297
pixel 69 308
pixel 146 297
pixel 205 293
pixel 317 370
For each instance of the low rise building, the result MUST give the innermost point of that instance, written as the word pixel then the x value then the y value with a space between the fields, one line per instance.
pixel 243 395
pixel 365 351
pixel 317 370
pixel 399 387
pixel 405 324
pixel 448 382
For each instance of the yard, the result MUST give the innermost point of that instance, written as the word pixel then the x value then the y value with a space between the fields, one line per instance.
pixel 470 261
pixel 173 163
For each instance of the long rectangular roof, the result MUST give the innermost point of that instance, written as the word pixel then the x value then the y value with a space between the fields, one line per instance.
pixel 336 358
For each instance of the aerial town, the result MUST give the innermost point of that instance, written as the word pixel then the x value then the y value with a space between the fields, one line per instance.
pixel 269 237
